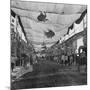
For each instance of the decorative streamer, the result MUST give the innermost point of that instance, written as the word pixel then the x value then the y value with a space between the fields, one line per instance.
pixel 78 21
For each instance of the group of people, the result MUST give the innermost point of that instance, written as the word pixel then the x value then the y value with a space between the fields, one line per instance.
pixel 64 59
pixel 69 59
pixel 74 59
pixel 23 61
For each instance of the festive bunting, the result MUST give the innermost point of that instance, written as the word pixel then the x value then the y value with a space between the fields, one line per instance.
pixel 81 17
pixel 71 27
pixel 78 21
pixel 57 42
pixel 13 13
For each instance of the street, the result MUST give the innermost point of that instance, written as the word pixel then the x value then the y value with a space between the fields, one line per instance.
pixel 46 76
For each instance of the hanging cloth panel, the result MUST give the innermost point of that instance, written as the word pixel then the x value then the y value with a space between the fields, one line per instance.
pixel 19 19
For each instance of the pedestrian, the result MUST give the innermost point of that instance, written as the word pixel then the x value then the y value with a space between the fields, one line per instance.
pixel 12 66
pixel 63 59
pixel 71 59
pixel 31 60
pixel 66 59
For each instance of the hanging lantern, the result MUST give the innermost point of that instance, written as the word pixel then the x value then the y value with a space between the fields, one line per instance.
pixel 49 34
pixel 42 17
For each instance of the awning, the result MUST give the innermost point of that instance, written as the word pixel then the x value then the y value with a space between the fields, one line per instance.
pixel 60 17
